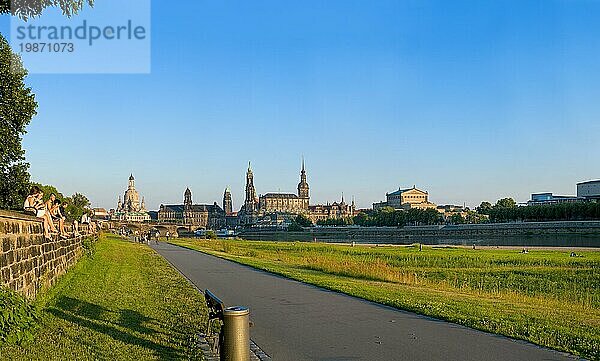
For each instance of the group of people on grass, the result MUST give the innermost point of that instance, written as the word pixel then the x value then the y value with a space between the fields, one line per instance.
pixel 52 211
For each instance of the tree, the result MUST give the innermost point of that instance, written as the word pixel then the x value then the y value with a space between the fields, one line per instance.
pixel 295 227
pixel 506 203
pixel 304 221
pixel 484 207
pixel 362 219
pixel 78 204
pixel 457 218
pixel 26 9
pixel 17 108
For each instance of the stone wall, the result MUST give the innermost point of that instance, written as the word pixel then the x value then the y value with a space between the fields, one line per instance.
pixel 28 261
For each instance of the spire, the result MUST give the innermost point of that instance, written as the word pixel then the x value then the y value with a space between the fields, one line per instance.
pixel 303 189
pixel 131 177
pixel 342 197
pixel 249 168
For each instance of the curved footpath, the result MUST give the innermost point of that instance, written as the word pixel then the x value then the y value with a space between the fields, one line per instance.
pixel 295 321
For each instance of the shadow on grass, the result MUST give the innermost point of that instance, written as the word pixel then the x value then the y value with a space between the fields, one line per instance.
pixel 98 318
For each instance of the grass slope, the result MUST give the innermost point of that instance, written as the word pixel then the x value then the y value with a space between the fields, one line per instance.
pixel 125 303
pixel 545 297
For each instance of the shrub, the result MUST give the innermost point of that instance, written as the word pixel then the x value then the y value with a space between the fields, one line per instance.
pixel 18 318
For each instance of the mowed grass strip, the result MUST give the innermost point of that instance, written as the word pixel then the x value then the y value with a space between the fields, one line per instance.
pixel 123 303
pixel 545 297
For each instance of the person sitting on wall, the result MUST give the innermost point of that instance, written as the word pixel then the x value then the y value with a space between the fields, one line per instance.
pixel 34 205
pixel 57 216
pixel 63 210
pixel 85 218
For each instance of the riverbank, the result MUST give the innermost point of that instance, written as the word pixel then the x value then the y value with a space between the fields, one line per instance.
pixel 545 297
pixel 123 302
pixel 553 234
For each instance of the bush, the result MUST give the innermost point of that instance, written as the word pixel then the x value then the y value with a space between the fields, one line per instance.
pixel 18 318
pixel 89 246
pixel 211 235
pixel 295 227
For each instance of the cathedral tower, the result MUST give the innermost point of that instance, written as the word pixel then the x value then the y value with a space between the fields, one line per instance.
pixel 227 203
pixel 187 198
pixel 303 189
pixel 250 203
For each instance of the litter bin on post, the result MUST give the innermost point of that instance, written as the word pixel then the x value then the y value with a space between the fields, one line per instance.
pixel 236 334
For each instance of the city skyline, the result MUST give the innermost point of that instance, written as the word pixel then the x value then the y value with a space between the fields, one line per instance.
pixel 470 102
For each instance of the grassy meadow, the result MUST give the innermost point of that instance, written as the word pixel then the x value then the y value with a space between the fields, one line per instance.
pixel 123 302
pixel 545 297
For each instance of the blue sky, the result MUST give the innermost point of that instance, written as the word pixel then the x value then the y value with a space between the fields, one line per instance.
pixel 469 100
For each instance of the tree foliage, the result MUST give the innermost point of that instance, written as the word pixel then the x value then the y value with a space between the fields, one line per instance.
pixel 484 207
pixel 304 221
pixel 506 203
pixel 26 9
pixel 578 211
pixel 17 108
pixel 388 216
pixel 345 221
pixel 78 204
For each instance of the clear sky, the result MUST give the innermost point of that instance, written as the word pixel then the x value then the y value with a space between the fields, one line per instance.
pixel 470 100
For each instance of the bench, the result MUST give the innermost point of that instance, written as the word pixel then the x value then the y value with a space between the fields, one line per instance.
pixel 215 316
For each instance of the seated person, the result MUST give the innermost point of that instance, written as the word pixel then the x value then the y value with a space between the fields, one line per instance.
pixel 57 216
pixel 34 205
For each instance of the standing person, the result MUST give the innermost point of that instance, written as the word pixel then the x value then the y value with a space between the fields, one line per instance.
pixel 167 234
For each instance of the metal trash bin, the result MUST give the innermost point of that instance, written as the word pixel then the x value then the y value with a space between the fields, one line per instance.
pixel 236 334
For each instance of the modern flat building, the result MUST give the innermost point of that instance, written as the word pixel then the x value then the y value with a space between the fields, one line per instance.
pixel 549 198
pixel 589 189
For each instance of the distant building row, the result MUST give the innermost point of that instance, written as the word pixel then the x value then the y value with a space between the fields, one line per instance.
pixel 586 191
pixel 272 208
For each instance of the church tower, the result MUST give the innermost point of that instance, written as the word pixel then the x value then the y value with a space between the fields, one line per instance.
pixel 131 182
pixel 187 198
pixel 303 189
pixel 187 206
pixel 250 203
pixel 227 203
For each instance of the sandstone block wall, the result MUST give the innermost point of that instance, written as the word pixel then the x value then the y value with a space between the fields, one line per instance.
pixel 28 261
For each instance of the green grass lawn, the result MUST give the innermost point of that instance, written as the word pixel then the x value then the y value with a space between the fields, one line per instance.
pixel 123 303
pixel 545 297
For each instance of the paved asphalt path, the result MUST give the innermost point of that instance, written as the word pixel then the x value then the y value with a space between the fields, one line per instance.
pixel 294 321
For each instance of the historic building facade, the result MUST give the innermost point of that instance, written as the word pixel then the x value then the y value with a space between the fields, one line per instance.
pixel 196 215
pixel 131 208
pixel 335 210
pixel 271 206
pixel 287 202
pixel 227 202
pixel 406 199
